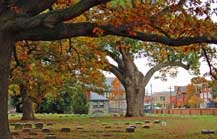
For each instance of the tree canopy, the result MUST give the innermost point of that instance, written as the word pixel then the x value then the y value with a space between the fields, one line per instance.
pixel 170 22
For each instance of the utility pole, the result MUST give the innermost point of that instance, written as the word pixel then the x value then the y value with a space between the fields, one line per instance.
pixel 151 97
pixel 170 98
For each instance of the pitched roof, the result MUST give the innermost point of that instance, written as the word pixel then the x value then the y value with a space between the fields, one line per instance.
pixel 95 96
pixel 180 88
pixel 164 93
pixel 109 81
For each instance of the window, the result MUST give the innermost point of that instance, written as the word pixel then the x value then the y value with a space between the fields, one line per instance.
pixel 162 98
pixel 98 104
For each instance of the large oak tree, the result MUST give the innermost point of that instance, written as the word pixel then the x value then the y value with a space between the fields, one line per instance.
pixel 173 23
pixel 159 58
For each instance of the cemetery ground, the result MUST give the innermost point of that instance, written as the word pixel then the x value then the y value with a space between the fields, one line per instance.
pixel 68 126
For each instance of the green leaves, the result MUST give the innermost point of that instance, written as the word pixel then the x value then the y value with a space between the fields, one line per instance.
pixel 120 3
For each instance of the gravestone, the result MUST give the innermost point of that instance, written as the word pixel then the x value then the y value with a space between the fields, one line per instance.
pixel 18 126
pixel 50 136
pixel 79 127
pixel 26 130
pixel 130 129
pixel 39 125
pixel 104 124
pixel 132 126
pixel 45 130
pixel 138 123
pixel 146 126
pixel 163 123
pixel 157 121
pixel 107 135
pixel 147 121
pixel 27 125
pixel 33 133
pixel 108 126
pixel 49 124
pixel 65 129
pixel 207 131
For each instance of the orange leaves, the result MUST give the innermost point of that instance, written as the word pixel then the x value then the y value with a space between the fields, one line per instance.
pixel 16 9
pixel 133 33
pixel 64 3
pixel 117 88
pixel 192 97
pixel 98 31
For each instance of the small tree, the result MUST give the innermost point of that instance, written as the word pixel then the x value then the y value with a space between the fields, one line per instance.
pixel 80 102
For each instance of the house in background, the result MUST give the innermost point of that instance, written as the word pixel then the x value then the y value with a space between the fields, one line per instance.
pixel 178 100
pixel 98 104
pixel 206 95
pixel 116 95
pixel 162 99
pixel 147 103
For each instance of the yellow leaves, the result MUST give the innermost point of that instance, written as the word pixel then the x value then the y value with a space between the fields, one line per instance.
pixel 194 101
pixel 98 31
pixel 192 97
pixel 215 100
pixel 13 90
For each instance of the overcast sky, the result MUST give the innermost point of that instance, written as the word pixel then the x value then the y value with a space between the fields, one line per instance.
pixel 183 77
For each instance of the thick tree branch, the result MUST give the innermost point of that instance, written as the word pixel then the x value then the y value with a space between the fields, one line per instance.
pixel 62 31
pixel 34 7
pixel 115 58
pixel 116 71
pixel 54 17
pixel 156 68
pixel 5 4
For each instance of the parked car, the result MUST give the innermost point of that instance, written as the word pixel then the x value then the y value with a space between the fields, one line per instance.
pixel 148 108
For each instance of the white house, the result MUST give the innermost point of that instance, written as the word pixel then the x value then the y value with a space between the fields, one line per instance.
pixel 206 97
pixel 98 104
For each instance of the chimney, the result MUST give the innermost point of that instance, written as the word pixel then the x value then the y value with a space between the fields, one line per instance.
pixel 88 94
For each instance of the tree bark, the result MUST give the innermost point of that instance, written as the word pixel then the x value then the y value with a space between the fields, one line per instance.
pixel 27 109
pixel 135 100
pixel 5 59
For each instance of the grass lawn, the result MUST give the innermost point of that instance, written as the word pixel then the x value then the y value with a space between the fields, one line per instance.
pixel 85 127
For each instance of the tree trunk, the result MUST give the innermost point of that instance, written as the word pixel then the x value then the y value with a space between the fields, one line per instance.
pixel 5 59
pixel 27 108
pixel 135 100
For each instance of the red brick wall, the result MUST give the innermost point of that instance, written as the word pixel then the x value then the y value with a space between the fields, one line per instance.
pixel 211 111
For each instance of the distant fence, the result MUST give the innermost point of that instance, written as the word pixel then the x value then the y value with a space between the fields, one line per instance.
pixel 208 111
pixel 117 110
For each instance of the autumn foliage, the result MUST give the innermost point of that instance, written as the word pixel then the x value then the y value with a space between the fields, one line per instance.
pixel 192 97
pixel 117 89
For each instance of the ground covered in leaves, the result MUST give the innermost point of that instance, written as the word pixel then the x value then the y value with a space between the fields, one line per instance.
pixel 54 126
